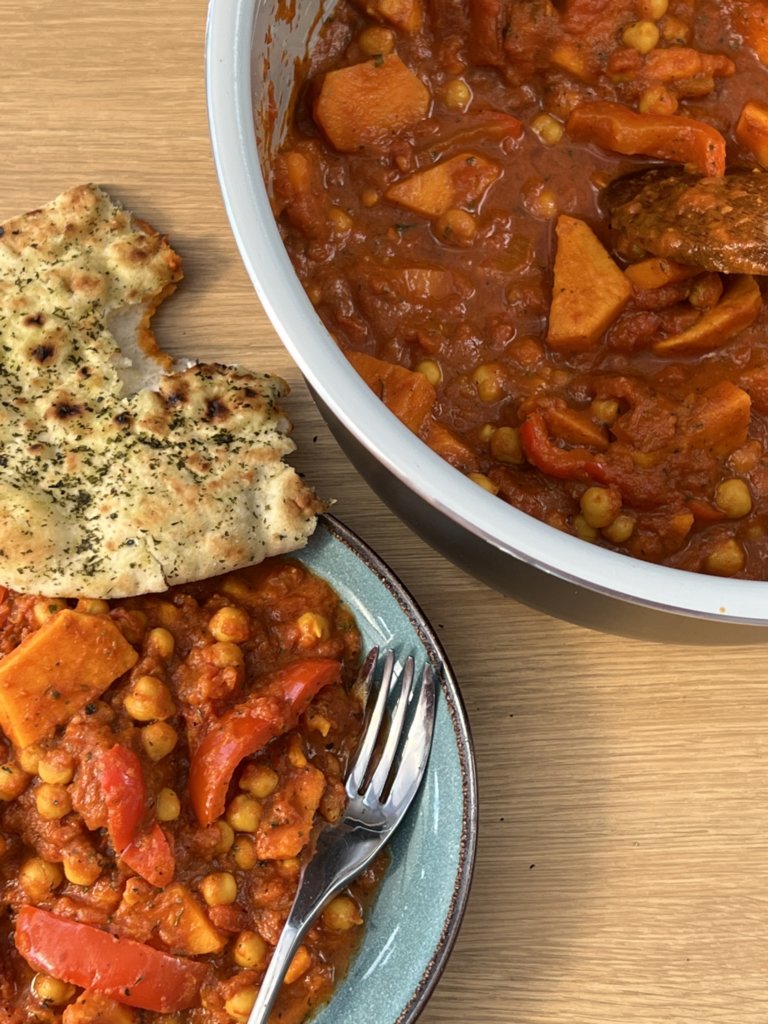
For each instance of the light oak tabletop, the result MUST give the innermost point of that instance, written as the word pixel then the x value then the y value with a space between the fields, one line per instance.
pixel 622 875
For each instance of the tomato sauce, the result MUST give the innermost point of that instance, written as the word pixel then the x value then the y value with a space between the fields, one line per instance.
pixel 145 872
pixel 427 233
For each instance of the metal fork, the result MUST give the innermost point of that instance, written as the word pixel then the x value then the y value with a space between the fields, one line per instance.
pixel 382 781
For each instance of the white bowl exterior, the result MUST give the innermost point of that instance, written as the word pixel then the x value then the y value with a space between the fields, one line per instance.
pixel 238 31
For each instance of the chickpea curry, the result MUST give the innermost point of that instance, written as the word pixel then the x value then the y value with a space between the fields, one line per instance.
pixel 163 762
pixel 539 231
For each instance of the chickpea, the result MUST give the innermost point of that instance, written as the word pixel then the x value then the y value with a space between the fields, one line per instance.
pixel 250 951
pixel 299 966
pixel 376 40
pixel 92 606
pixel 168 805
pixel 38 878
pixel 288 866
pixel 706 291
pixel 160 641
pixel 29 759
pixel 606 410
pixel 600 506
pixel 505 446
pixel 341 222
pixel 653 10
pixel 56 767
pixel 52 801
pixel 81 864
pixel 541 201
pixel 642 36
pixel 226 837
pixel 225 655
pixel 46 608
pixel 676 31
pixel 241 1003
pixel 548 129
pixel 726 559
pixel 620 530
pixel 583 529
pixel 50 991
pixel 13 781
pixel 317 722
pixel 158 740
pixel 149 699
pixel 657 100
pixel 230 623
pixel 483 481
pixel 296 755
pixel 457 95
pixel 244 852
pixel 259 780
pixel 486 432
pixel 244 813
pixel 341 914
pixel 314 626
pixel 733 497
pixel 369 197
pixel 456 226
pixel 490 381
pixel 431 370
pixel 219 889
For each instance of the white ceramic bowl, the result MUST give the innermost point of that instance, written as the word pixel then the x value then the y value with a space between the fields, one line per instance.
pixel 252 46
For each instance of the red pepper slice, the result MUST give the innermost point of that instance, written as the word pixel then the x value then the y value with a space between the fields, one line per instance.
pixel 127 971
pixel 562 463
pixel 672 137
pixel 125 794
pixel 150 855
pixel 250 726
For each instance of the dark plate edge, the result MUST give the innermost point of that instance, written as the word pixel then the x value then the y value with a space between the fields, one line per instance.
pixel 462 731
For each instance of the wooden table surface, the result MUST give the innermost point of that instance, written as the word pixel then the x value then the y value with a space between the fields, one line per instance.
pixel 622 874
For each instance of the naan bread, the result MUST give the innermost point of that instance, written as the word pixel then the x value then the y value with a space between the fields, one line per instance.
pixel 106 492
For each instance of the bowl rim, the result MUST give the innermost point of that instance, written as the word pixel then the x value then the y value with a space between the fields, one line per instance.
pixel 231 118
pixel 435 654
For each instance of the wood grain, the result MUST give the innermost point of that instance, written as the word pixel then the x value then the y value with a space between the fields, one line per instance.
pixel 622 871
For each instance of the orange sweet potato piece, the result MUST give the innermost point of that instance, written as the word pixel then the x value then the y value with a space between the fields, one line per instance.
pixel 752 129
pixel 57 670
pixel 751 19
pixel 719 419
pixel 407 394
pixel 185 926
pixel 286 823
pixel 96 1008
pixel 407 15
pixel 657 271
pixel 367 104
pixel 739 307
pixel 456 182
pixel 451 448
pixel 589 289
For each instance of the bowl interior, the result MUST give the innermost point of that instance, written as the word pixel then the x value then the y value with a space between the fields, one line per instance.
pixel 252 49
pixel 417 912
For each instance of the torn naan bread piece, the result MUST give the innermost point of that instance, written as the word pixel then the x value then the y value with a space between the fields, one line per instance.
pixel 108 489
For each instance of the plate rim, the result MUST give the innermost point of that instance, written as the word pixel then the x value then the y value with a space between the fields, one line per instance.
pixel 454 701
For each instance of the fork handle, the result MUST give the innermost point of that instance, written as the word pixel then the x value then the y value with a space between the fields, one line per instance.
pixel 329 871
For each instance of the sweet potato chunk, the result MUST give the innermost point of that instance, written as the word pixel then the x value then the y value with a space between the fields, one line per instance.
pixel 95 1008
pixel 589 289
pixel 739 307
pixel 403 14
pixel 288 815
pixel 69 661
pixel 184 925
pixel 407 394
pixel 366 104
pixel 453 183
pixel 719 420
pixel 657 271
pixel 752 129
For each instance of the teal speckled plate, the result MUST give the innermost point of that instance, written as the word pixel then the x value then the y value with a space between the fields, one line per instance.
pixel 414 922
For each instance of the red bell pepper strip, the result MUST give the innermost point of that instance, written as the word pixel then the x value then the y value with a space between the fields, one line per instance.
pixel 620 129
pixel 150 855
pixel 125 794
pixel 127 971
pixel 249 726
pixel 562 463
